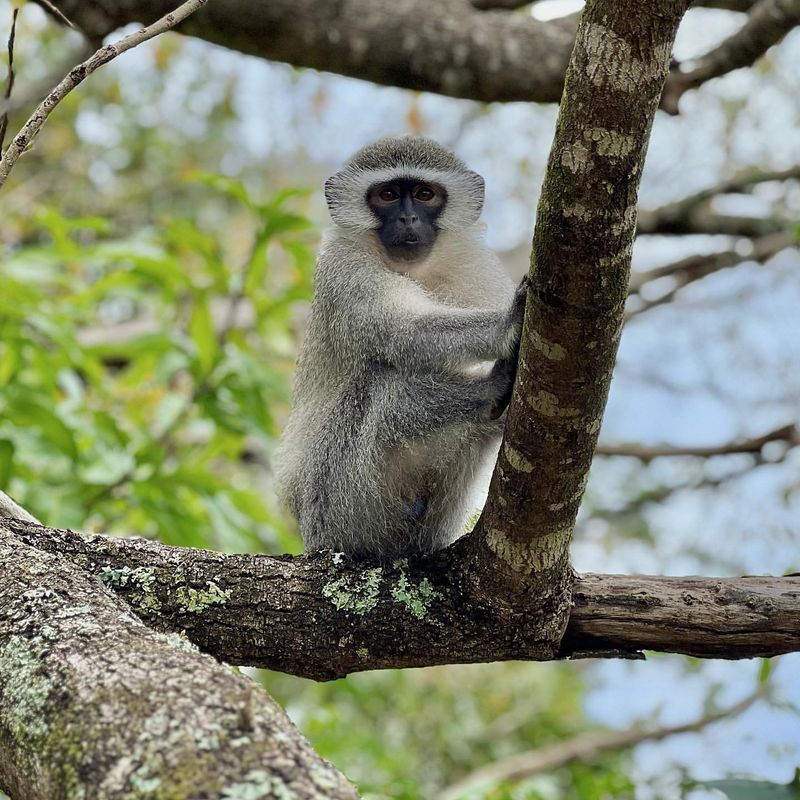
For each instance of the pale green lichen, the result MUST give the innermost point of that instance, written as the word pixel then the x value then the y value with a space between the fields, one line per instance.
pixel 140 581
pixel 527 557
pixel 516 459
pixel 609 142
pixel 26 688
pixel 547 404
pixel 180 641
pixel 575 157
pixel 142 781
pixel 197 600
pixel 550 350
pixel 358 595
pixel 258 784
pixel 416 598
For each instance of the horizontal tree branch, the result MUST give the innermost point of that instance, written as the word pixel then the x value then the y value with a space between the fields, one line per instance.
pixel 587 747
pixel 767 23
pixel 692 214
pixel 693 268
pixel 787 433
pixel 477 50
pixel 324 616
pixel 449 47
pixel 93 703
pixel 703 220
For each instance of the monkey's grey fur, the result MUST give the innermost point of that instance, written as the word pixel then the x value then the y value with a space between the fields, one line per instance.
pixel 394 396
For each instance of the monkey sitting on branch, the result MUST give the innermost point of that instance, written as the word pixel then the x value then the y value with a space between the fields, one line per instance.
pixel 397 402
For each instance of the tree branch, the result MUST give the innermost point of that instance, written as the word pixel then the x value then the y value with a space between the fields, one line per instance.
pixel 448 47
pixel 693 268
pixel 9 76
pixel 90 697
pixel 462 48
pixel 788 434
pixel 693 214
pixel 324 616
pixel 767 23
pixel 585 748
pixel 79 73
pixel 585 226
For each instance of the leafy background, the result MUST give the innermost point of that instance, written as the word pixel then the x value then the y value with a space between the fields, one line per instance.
pixel 157 249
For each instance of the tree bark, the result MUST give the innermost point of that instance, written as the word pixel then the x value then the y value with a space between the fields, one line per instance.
pixel 324 616
pixel 94 704
pixel 477 50
pixel 448 47
pixel 580 266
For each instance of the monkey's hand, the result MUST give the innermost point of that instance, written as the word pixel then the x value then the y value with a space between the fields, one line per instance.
pixel 517 315
pixel 502 376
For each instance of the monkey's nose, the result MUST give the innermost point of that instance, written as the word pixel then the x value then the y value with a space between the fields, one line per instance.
pixel 409 219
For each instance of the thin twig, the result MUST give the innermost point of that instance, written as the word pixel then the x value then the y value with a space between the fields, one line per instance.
pixel 683 215
pixel 79 73
pixel 10 76
pixel 586 747
pixel 54 12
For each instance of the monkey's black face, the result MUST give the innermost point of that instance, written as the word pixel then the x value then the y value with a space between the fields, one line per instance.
pixel 407 210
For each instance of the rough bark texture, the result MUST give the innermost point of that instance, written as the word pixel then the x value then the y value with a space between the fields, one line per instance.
pixel 94 704
pixel 323 616
pixel 705 617
pixel 478 49
pixel 447 47
pixel 579 273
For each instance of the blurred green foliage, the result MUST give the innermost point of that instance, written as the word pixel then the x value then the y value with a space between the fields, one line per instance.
pixel 139 375
pixel 408 734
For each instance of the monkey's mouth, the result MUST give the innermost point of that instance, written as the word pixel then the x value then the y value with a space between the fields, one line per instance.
pixel 410 239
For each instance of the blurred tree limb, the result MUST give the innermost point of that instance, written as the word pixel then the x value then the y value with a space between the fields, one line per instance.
pixel 693 268
pixel 587 747
pixel 788 434
pixel 767 23
pixel 476 50
pixel 78 74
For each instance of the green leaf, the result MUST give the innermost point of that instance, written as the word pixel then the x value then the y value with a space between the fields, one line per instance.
pixel 201 329
pixel 6 461
pixel 107 467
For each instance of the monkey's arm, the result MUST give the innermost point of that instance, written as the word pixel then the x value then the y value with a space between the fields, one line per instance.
pixel 412 405
pixel 401 325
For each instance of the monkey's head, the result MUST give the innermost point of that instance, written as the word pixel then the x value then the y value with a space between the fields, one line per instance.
pixel 407 190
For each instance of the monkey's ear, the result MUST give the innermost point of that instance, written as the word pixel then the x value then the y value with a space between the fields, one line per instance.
pixel 477 190
pixel 330 192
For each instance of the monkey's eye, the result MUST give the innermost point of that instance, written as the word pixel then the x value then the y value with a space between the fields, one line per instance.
pixel 387 195
pixel 425 194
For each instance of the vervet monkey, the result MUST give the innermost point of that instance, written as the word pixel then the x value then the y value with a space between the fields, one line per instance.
pixel 397 402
